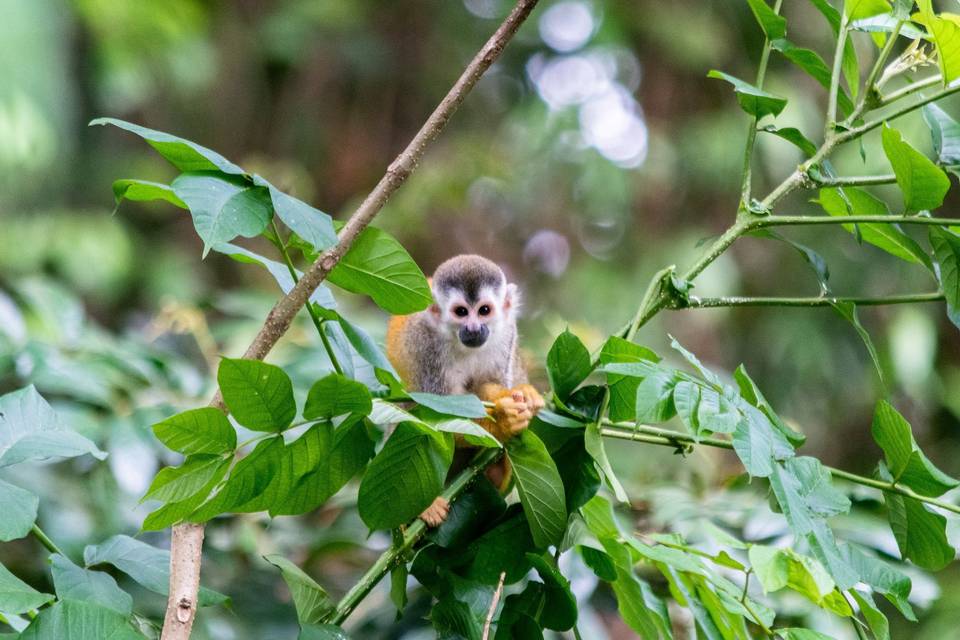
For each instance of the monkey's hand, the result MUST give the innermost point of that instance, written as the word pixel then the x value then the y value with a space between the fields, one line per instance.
pixel 531 396
pixel 511 415
pixel 436 513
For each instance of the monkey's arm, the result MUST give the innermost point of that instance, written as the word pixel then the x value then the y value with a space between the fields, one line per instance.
pixel 512 408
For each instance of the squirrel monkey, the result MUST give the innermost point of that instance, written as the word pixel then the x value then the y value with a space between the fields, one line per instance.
pixel 466 342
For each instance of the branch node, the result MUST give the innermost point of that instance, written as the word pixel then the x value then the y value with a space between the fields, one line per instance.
pixel 184 609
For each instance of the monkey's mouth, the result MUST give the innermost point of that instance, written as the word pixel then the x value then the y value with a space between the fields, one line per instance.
pixel 473 338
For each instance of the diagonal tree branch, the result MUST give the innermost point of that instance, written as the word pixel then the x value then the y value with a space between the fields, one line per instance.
pixel 187 540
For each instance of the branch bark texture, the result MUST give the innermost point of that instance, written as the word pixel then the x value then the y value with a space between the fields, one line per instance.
pixel 187 539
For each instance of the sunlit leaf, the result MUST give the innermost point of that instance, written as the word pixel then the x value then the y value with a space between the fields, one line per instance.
pixel 197 431
pixel 335 395
pixel 859 9
pixel 946 248
pixel 259 395
pixel 945 29
pixel 754 101
pixel 905 461
pixel 310 599
pixel 223 207
pixel 145 191
pixel 923 183
pixel 312 225
pixel 462 406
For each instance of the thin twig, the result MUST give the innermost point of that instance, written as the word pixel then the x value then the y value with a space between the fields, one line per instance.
pixel 853 181
pixel 740 301
pixel 783 221
pixel 493 606
pixel 835 77
pixel 919 85
pixel 187 542
pixel 45 540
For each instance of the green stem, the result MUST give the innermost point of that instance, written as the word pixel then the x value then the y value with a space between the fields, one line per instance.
pixel 675 439
pixel 411 534
pixel 856 132
pixel 45 540
pixel 835 77
pixel 317 321
pixel 910 89
pixel 752 130
pixel 869 87
pixel 739 301
pixel 854 620
pixel 785 221
pixel 854 181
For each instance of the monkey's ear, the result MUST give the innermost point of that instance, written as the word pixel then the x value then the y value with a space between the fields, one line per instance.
pixel 434 310
pixel 511 297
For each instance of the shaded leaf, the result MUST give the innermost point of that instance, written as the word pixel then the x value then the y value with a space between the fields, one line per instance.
pixel 16 596
pixel 946 249
pixel 19 509
pixel 462 406
pixel 568 364
pixel 279 271
pixel 848 311
pixel 540 488
pixel 923 183
pixel 336 395
pixel 197 431
pixel 793 136
pixel 312 225
pixel 312 602
pixel 623 389
pixel 753 100
pixel 905 461
pixel 81 621
pixel 774 26
pixel 75 583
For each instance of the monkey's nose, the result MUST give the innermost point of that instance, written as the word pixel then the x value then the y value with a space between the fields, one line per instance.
pixel 474 336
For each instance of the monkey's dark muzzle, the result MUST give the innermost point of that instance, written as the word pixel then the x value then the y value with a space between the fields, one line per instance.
pixel 474 337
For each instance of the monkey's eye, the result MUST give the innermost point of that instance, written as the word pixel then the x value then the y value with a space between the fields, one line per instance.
pixel 484 310
pixel 461 312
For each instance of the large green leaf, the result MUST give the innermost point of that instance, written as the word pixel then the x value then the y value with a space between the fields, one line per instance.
pixel 76 583
pixel 946 248
pixel 623 389
pixel 223 207
pixel 16 596
pixel 882 578
pixel 403 479
pixel 462 406
pixel 752 394
pixel 173 484
pixel 655 398
pixel 310 224
pixel 785 568
pixel 31 430
pixel 336 395
pixel 181 153
pixel 905 462
pixel 920 533
pixel 811 63
pixel 19 509
pixel 758 444
pixel 854 201
pixel 248 480
pixel 593 443
pixel 197 431
pixel 848 311
pixel 753 100
pixel 312 602
pixel 174 512
pixel 351 450
pixel 875 618
pixel 259 395
pixel 923 183
pixel 78 620
pixel 859 9
pixel 803 490
pixel 145 191
pixel 378 266
pixel 945 29
pixel 540 488
pixel 560 606
pixel 568 364
pixel 774 26
pixel 147 565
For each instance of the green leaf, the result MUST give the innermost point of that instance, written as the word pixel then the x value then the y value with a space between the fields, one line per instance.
pixel 811 257
pixel 30 430
pixel 854 201
pixel 905 461
pixel 757 442
pixel 540 488
pixel 859 9
pixel 811 63
pixel 478 506
pixel 560 608
pixel 802 634
pixel 223 207
pixel 453 619
pixel 793 136
pixel 593 443
pixel 312 602
pixel 803 491
pixel 174 484
pixel 945 30
pixel 848 310
pixel 403 479
pixel 472 432
pixel 174 512
pixel 920 533
pixel 882 578
pixel 197 431
pixel 322 632
pixel 365 346
pixel 311 225
pixel 80 621
pixel 75 583
pixel 923 183
pixel 259 395
pixel 634 600
pixel 599 562
pixel 16 596
pixel 785 568
pixel 336 395
pixel 774 26
pixel 751 393
pixel 946 249
pixel 351 450
pixel 754 101
pixel 462 406
pixel 249 479
pixel 501 549
pixel 623 389
pixel 145 191
pixel 378 266
pixel 181 153
pixel 280 272
pixel 945 134
pixel 19 509
pixel 655 398
pixel 568 364
pixel 874 617
pixel 147 565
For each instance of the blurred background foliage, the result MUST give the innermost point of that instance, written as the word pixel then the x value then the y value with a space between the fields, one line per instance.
pixel 593 154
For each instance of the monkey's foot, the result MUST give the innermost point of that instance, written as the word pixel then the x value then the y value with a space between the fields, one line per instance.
pixel 512 414
pixel 436 513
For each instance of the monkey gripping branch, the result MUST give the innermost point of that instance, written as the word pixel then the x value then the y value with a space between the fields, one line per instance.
pixel 300 459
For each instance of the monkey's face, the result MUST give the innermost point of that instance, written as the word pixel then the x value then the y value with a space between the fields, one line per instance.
pixel 475 320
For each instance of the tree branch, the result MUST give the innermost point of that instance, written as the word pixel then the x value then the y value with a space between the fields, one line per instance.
pixel 740 301
pixel 785 221
pixel 853 181
pixel 187 540
pixel 675 439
